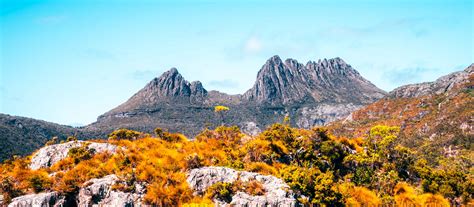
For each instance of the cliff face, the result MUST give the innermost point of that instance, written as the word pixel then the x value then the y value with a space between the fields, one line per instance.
pixel 289 82
pixel 311 94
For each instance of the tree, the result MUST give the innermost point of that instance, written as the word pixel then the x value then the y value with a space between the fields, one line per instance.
pixel 219 109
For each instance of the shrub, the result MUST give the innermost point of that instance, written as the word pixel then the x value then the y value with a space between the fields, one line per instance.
pixel 53 140
pixel 173 137
pixel 221 190
pixel 220 108
pixel 80 153
pixel 193 161
pixel 39 181
pixel 124 134
pixel 71 138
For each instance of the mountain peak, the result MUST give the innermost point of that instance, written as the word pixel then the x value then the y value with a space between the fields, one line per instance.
pixel 275 59
pixel 171 83
pixel 169 87
pixel 292 82
pixel 172 70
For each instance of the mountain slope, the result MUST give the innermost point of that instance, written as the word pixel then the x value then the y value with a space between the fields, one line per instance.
pixel 21 136
pixel 311 94
pixel 439 114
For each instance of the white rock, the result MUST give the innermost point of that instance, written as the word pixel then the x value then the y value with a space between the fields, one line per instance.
pixel 98 192
pixel 277 192
pixel 49 155
pixel 49 199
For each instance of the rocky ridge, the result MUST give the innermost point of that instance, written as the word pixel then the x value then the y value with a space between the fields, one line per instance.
pixel 439 113
pixel 309 94
pixel 442 85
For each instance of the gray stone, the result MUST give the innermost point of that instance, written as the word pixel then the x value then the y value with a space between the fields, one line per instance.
pixel 277 192
pixel 48 199
pixel 49 155
pixel 98 192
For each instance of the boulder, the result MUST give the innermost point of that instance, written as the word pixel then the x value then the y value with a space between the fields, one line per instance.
pixel 99 192
pixel 48 199
pixel 277 192
pixel 49 155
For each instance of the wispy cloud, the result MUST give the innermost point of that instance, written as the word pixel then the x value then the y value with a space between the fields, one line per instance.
pixel 253 45
pixel 52 19
pixel 397 77
pixel 224 83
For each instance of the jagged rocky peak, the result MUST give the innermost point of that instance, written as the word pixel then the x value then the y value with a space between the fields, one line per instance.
pixel 169 87
pixel 197 89
pixel 333 79
pixel 172 84
pixel 332 66
pixel 277 82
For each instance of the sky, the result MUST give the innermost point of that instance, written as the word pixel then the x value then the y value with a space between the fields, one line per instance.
pixel 69 61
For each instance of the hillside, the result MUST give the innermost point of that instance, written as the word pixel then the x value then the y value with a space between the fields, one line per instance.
pixel 282 166
pixel 21 136
pixel 312 94
pixel 411 148
pixel 437 117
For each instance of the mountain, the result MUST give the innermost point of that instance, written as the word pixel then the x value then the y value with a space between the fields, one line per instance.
pixel 312 94
pixel 21 136
pixel 330 81
pixel 438 114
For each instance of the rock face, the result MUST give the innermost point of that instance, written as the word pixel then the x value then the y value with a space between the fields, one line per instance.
pixel 99 192
pixel 330 80
pixel 277 192
pixel 440 86
pixel 312 94
pixel 95 192
pixel 49 155
pixel 50 199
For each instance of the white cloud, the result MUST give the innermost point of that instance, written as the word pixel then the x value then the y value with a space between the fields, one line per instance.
pixel 253 45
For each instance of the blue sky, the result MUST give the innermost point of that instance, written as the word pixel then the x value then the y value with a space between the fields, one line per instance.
pixel 70 61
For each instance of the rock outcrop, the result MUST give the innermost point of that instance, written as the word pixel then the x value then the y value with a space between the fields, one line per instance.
pixel 440 86
pixel 49 155
pixel 95 192
pixel 49 199
pixel 277 192
pixel 99 192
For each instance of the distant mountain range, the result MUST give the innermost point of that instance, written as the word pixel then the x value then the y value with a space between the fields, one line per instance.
pixel 313 94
